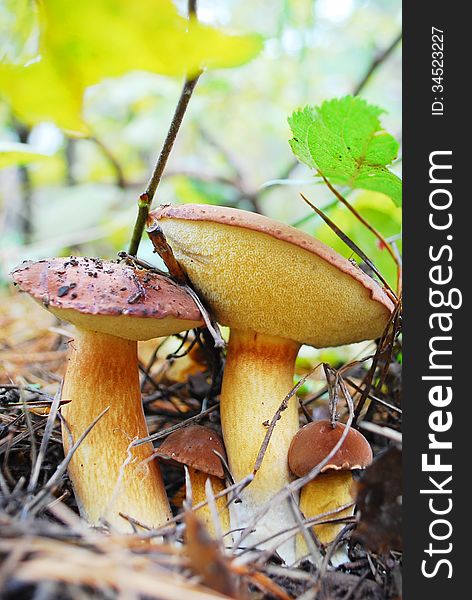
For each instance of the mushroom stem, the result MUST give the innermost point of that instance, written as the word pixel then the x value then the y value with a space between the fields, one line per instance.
pixel 197 481
pixel 325 493
pixel 258 375
pixel 108 476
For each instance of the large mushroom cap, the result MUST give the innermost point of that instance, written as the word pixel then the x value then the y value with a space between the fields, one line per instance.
pixel 315 441
pixel 109 297
pixel 194 446
pixel 261 275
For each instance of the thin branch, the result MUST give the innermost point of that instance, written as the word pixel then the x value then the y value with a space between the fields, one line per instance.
pixel 237 182
pixel 26 217
pixel 360 218
pixel 31 428
pixel 45 441
pixel 354 247
pixel 229 159
pixel 387 336
pixel 387 432
pixel 379 59
pixel 205 177
pixel 174 521
pixel 146 198
pixel 307 533
pixel 343 370
pixel 372 397
pixel 273 422
pixel 61 468
pixel 162 247
pixel 115 165
pixel 165 432
pixel 176 122
pixel 323 518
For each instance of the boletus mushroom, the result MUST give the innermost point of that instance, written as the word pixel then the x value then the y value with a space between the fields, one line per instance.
pixel 276 287
pixel 200 449
pixel 331 489
pixel 112 307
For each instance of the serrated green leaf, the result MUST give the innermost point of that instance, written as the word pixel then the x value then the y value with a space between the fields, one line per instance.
pixel 83 44
pixel 300 122
pixel 344 141
pixel 380 179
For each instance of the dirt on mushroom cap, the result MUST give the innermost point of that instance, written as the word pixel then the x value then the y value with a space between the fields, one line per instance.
pixel 109 297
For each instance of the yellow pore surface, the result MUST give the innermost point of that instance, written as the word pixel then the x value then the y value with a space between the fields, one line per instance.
pixel 124 326
pixel 254 281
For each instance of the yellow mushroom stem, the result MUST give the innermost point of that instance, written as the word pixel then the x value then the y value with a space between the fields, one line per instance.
pixel 198 481
pixel 258 376
pixel 108 476
pixel 325 494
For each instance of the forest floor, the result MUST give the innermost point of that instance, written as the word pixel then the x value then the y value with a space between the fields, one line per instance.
pixel 48 553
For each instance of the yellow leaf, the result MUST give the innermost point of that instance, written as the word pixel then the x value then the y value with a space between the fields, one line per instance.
pixel 111 37
pixel 214 49
pixel 83 43
pixel 37 92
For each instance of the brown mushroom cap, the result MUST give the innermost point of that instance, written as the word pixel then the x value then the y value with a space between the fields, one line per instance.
pixel 315 441
pixel 112 298
pixel 193 446
pixel 261 275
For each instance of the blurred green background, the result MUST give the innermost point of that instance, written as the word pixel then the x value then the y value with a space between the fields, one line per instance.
pixel 80 197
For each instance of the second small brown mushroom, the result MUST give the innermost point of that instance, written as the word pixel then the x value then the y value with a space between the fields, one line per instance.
pixel 331 489
pixel 200 449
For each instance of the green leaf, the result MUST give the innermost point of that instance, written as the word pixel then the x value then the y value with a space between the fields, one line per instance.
pixel 344 141
pixel 81 44
pixel 14 153
pixel 300 123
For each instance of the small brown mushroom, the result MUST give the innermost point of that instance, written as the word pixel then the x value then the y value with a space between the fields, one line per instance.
pixel 200 448
pixel 331 489
pixel 112 306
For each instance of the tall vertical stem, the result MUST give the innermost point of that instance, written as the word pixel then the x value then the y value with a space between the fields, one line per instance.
pixel 108 477
pixel 258 375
